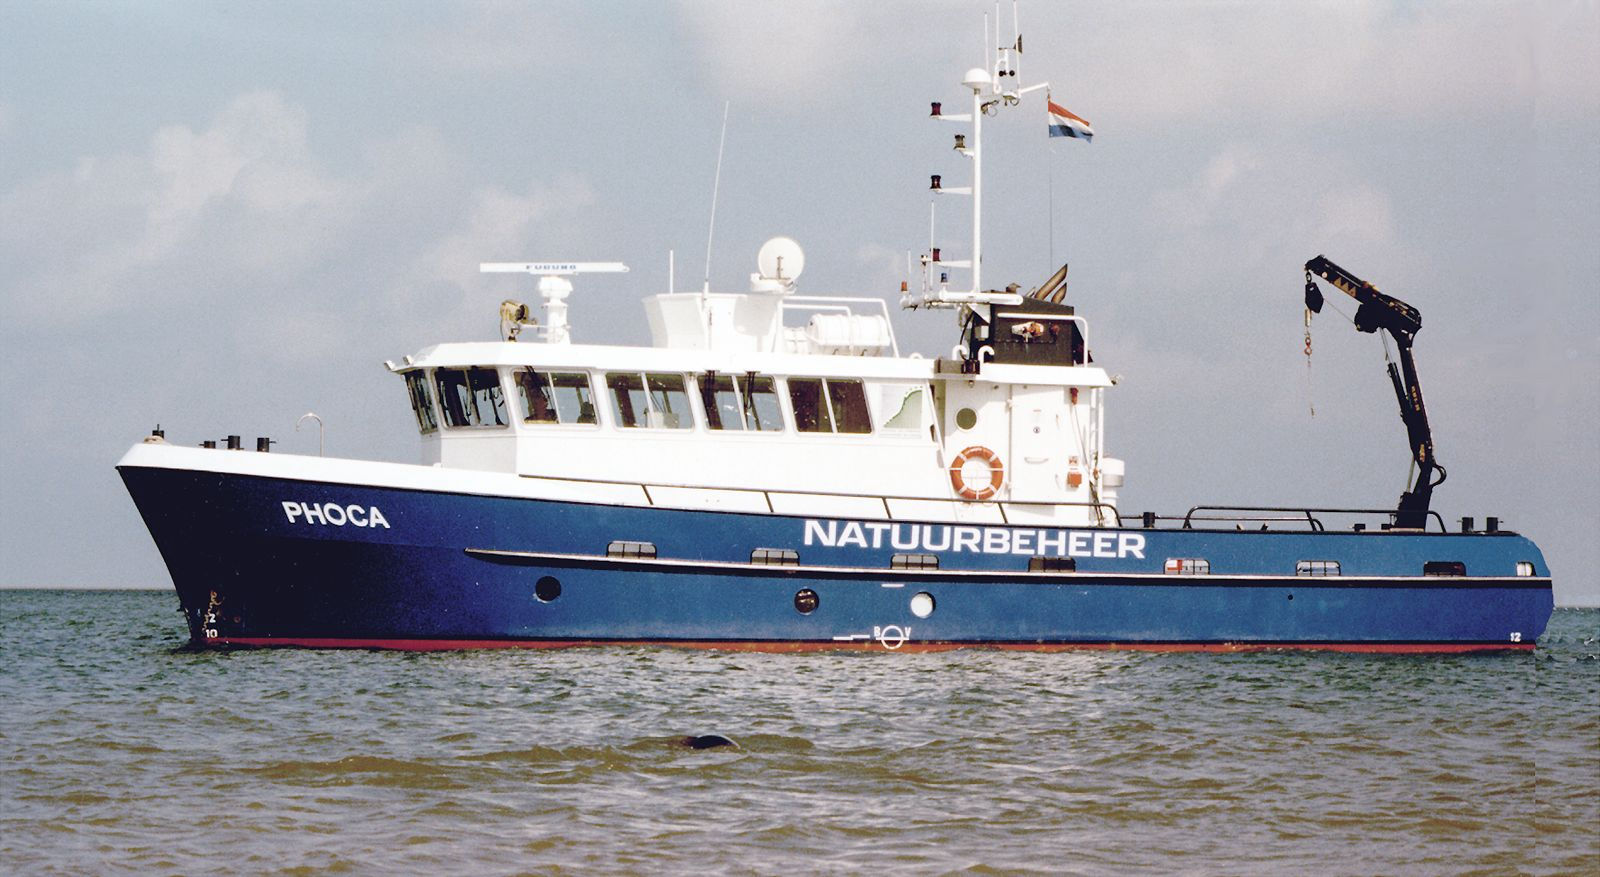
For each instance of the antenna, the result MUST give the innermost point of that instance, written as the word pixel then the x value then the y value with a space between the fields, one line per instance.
pixel 554 287
pixel 716 184
pixel 1016 41
pixel 987 62
pixel 993 87
pixel 547 268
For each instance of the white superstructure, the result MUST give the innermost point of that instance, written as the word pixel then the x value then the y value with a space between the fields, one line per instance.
pixel 768 400
pixel 735 405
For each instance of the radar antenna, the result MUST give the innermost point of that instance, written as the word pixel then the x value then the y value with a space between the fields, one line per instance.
pixel 554 287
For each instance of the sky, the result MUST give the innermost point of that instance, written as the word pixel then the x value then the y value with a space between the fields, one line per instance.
pixel 217 217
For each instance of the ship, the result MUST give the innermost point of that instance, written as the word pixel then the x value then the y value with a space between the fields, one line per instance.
pixel 772 473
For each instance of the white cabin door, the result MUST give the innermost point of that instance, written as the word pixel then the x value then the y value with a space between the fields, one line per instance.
pixel 1038 444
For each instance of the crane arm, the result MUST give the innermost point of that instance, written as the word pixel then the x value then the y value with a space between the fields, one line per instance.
pixel 1376 311
pixel 1402 321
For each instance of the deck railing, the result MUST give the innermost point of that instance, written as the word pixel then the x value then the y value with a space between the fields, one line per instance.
pixel 1100 511
pixel 1268 514
pixel 842 304
pixel 1105 510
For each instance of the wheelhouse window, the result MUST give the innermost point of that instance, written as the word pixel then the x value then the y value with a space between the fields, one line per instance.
pixel 555 397
pixel 422 401
pixel 471 397
pixel 829 405
pixel 747 402
pixel 653 401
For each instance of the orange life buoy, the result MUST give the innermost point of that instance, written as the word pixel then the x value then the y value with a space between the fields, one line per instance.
pixel 997 473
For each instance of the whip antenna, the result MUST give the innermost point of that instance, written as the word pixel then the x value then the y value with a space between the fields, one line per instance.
pixel 716 183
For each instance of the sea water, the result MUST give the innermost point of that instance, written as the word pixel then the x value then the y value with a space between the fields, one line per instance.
pixel 120 751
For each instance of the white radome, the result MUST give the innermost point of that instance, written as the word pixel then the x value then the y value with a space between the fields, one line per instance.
pixel 781 259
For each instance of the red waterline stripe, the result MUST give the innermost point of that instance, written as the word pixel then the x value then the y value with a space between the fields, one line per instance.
pixel 440 645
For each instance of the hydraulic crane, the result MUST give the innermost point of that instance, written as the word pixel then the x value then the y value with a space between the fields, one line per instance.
pixel 1402 321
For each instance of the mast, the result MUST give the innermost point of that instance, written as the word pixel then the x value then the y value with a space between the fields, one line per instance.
pixel 977 180
pixel 993 86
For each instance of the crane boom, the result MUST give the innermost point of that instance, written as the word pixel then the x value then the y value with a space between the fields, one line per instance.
pixel 1376 311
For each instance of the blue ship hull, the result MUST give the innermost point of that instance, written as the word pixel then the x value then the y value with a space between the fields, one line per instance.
pixel 275 561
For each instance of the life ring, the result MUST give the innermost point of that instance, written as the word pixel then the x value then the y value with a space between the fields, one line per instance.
pixel 997 473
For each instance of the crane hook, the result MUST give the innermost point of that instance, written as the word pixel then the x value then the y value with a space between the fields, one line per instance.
pixel 1313 305
pixel 1313 295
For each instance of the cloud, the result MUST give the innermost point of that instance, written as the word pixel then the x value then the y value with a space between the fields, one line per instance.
pixel 129 228
pixel 1358 216
pixel 499 226
pixel 800 53
pixel 1243 214
pixel 498 36
pixel 240 211
pixel 1337 61
pixel 254 154
pixel 884 266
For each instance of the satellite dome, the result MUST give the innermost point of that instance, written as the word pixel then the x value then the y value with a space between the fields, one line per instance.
pixel 781 259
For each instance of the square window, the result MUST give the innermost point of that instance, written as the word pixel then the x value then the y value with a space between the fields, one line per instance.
pixel 914 561
pixel 810 405
pixel 1052 564
pixel 775 557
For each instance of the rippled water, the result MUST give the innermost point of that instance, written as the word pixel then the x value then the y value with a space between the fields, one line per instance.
pixel 121 752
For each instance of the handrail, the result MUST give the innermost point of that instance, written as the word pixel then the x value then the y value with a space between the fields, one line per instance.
pixel 1078 320
pixel 883 498
pixel 1308 513
pixel 842 302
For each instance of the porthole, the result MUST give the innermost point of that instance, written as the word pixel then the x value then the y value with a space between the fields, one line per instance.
pixel 805 601
pixel 966 418
pixel 547 588
pixel 922 604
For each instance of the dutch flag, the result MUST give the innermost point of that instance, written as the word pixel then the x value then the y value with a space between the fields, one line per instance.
pixel 1064 124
